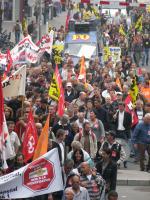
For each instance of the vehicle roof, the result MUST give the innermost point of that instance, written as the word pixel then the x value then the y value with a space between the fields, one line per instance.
pixel 92 37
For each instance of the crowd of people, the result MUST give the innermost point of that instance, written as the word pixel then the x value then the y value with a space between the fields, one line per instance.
pixel 96 135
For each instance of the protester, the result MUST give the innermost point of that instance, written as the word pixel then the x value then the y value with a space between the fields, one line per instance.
pixel 141 140
pixel 107 169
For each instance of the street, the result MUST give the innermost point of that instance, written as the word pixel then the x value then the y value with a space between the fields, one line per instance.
pixel 133 192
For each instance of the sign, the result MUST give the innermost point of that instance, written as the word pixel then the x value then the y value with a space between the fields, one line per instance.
pixel 39 175
pixel 42 176
pixel 80 37
pixel 14 85
pixel 112 52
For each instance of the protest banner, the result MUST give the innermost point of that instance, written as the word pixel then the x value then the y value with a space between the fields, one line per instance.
pixel 112 52
pixel 25 51
pixel 42 176
pixel 46 42
pixel 14 85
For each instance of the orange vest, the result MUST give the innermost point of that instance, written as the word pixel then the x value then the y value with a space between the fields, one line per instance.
pixel 146 93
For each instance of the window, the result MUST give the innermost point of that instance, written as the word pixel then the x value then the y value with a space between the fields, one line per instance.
pixel 8 10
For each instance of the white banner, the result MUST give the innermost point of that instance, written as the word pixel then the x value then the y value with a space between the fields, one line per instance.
pixel 25 51
pixel 46 43
pixel 43 176
pixel 15 84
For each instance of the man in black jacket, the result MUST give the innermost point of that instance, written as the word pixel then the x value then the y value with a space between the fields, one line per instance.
pixel 123 122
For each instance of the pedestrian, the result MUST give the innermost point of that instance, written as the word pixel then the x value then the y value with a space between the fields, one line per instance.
pixel 108 169
pixel 17 30
pixel 118 154
pixel 79 191
pixel 87 139
pixel 141 140
pixel 93 182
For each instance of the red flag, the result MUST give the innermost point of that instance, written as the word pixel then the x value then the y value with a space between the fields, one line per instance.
pixel 9 61
pixel 67 21
pixel 30 139
pixel 129 108
pixel 61 103
pixel 1 106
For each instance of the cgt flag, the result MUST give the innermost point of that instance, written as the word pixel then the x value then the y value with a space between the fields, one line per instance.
pixel 30 139
pixel 42 176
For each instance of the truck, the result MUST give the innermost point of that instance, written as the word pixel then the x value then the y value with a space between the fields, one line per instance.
pixel 83 39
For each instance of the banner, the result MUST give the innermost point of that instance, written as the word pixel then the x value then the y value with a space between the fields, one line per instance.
pixel 42 176
pixel 25 51
pixel 46 43
pixel 15 84
pixel 112 52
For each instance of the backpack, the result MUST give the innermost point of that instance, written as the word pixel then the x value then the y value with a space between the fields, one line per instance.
pixel 80 135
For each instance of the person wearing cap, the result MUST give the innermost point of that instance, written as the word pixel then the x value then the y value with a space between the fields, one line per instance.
pixel 69 93
pixel 118 154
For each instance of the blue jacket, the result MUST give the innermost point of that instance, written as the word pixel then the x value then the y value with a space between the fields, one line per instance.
pixel 141 134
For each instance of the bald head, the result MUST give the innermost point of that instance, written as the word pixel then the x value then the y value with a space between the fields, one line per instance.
pixel 85 168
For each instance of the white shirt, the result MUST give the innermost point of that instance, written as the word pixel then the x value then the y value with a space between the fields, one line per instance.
pixel 15 142
pixel 62 152
pixel 120 121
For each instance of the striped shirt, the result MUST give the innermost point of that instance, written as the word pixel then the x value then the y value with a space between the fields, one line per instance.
pixel 95 186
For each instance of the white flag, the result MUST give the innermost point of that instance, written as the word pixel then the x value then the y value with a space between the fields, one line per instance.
pixel 5 144
pixel 15 84
pixel 46 43
pixel 42 176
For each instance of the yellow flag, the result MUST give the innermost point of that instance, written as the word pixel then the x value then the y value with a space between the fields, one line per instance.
pixel 42 145
pixel 96 13
pixel 57 51
pixel 134 90
pixel 54 90
pixel 24 24
pixel 138 24
pixel 121 30
pixel 107 53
